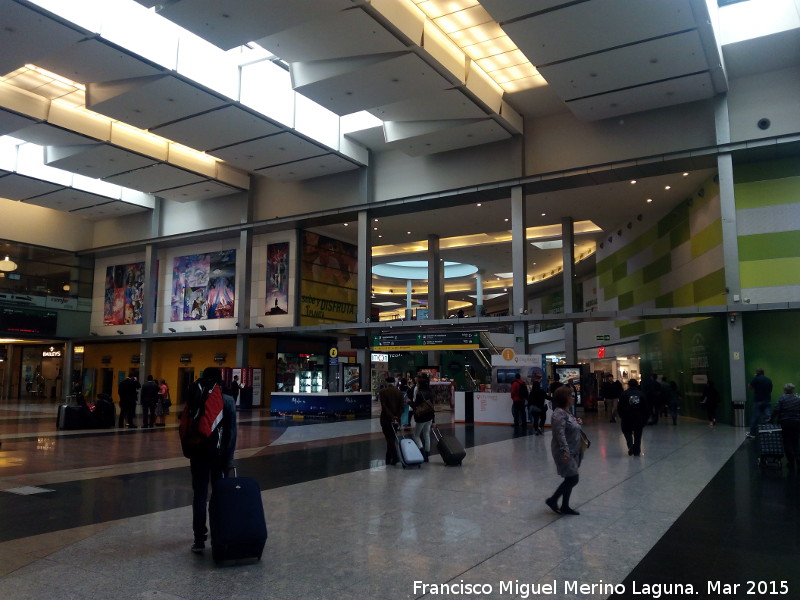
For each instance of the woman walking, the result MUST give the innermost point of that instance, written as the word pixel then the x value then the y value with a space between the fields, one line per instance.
pixel 566 449
pixel 163 404
pixel 424 414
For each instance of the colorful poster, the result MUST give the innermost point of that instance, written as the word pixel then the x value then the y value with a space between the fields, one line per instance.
pixel 328 280
pixel 203 286
pixel 277 302
pixel 122 303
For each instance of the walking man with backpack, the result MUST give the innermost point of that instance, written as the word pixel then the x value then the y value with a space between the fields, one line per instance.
pixel 208 439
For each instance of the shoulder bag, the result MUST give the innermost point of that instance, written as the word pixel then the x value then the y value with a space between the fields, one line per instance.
pixel 423 412
pixel 585 442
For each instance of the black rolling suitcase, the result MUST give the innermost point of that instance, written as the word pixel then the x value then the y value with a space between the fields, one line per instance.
pixel 236 519
pixel 450 449
pixel 770 445
pixel 71 416
pixel 105 413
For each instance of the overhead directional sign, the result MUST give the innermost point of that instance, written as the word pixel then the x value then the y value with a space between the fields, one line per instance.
pixel 447 340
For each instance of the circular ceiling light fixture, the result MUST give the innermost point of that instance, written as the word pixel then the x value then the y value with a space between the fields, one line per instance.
pixel 418 269
pixel 7 265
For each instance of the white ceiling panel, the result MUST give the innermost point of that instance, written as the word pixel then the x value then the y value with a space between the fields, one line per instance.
pixel 109 210
pixel 440 104
pixel 68 199
pixel 353 85
pixel 45 134
pixel 19 187
pixel 98 161
pixel 587 27
pixel 651 61
pixel 236 22
pixel 199 191
pixel 347 33
pixel 91 60
pixel 269 151
pixel 148 102
pixel 309 168
pixel 372 138
pixel 27 35
pixel 12 122
pixel 447 137
pixel 768 53
pixel 154 178
pixel 657 95
pixel 217 128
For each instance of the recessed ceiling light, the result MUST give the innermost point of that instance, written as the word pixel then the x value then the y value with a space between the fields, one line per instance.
pixel 667 187
pixel 633 181
pixel 375 228
pixel 479 203
pixel 506 220
pixel 544 214
pixel 376 220
pixel 346 224
pixel 408 232
pixel 685 174
pixel 649 200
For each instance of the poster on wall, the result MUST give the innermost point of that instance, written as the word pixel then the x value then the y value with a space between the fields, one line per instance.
pixel 122 302
pixel 203 286
pixel 277 302
pixel 328 280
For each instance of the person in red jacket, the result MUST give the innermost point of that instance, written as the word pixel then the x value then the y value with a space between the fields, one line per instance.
pixel 519 394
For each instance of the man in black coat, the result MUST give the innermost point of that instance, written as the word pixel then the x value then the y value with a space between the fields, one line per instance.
pixel 149 401
pixel 634 410
pixel 128 390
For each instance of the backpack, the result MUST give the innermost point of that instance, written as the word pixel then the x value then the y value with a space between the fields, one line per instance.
pixel 201 421
pixel 522 390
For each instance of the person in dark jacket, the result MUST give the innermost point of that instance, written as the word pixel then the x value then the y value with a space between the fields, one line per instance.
pixel 610 392
pixel 149 401
pixel 653 392
pixel 208 469
pixel 762 400
pixel 634 411
pixel 518 398
pixel 392 403
pixel 425 417
pixel 710 402
pixel 537 407
pixel 787 413
pixel 128 390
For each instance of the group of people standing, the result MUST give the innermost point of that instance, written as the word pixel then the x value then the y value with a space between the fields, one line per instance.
pixel 536 407
pixel 400 400
pixel 155 402
pixel 786 414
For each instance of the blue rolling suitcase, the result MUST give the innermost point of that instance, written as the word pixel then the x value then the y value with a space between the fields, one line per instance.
pixel 410 454
pixel 236 519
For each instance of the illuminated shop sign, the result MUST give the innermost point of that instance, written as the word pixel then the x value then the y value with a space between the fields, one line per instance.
pixel 51 352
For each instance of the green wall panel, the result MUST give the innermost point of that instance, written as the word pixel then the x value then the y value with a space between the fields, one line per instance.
pixel 763 246
pixel 708 238
pixel 683 296
pixel 658 268
pixel 665 301
pixel 770 273
pixel 625 300
pixel 710 286
pixel 767 193
pixel 619 271
pixel 671 220
pixel 773 169
pixel 632 329
pixel 646 292
pixel 680 234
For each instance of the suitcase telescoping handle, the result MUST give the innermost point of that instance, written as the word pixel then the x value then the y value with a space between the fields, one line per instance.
pixel 226 472
pixel 436 434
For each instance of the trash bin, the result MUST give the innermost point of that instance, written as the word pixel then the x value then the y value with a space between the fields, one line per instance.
pixel 738 414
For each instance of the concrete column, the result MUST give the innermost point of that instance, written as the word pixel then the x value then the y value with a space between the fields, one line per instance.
pixel 244 277
pixel 435 277
pixel 479 293
pixel 568 259
pixel 364 304
pixel 66 369
pixel 297 276
pixel 145 359
pixel 519 252
pixel 149 310
pixel 409 299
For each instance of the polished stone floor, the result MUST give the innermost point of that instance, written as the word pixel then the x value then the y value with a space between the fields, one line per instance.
pixel 105 514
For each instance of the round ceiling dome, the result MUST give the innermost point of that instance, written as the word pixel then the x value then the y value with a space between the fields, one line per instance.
pixel 418 269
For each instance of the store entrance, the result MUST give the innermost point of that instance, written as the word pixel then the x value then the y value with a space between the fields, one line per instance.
pixel 185 379
pixel 107 381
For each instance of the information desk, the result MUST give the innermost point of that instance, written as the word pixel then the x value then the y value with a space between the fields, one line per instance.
pixel 321 404
pixel 443 394
pixel 491 408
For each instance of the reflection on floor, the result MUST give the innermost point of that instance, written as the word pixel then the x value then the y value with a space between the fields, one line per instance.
pixel 105 514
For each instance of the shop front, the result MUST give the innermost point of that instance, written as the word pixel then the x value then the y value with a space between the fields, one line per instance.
pixel 32 370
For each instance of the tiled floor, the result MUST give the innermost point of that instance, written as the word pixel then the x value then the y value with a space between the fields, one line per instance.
pixel 342 525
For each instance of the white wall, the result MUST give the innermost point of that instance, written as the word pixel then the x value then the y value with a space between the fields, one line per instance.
pixel 773 95
pixel 275 199
pixel 183 217
pixel 398 175
pixel 119 230
pixel 562 142
pixel 30 224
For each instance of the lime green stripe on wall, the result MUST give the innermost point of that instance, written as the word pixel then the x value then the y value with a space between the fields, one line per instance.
pixel 709 238
pixel 763 246
pixel 773 169
pixel 770 273
pixel 767 193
